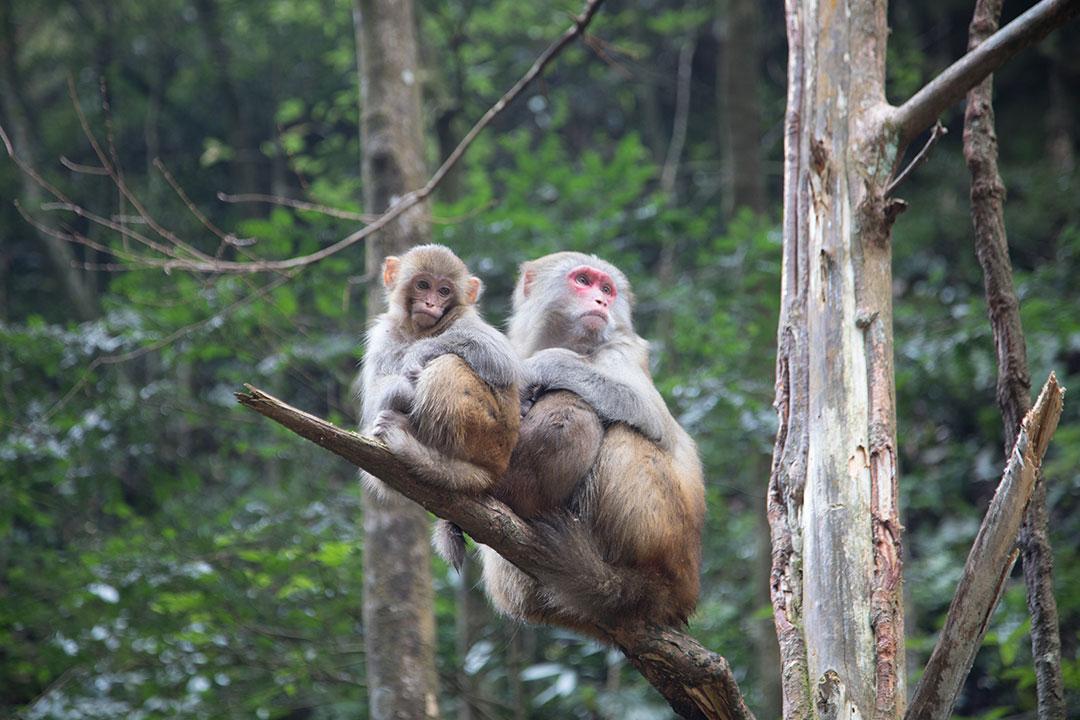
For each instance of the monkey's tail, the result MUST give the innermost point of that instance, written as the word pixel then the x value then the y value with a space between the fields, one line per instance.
pixel 449 541
pixel 584 584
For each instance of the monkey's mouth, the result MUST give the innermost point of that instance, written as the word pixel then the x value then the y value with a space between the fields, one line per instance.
pixel 426 318
pixel 594 320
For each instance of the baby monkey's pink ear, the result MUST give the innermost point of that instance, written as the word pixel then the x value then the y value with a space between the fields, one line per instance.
pixel 390 268
pixel 473 288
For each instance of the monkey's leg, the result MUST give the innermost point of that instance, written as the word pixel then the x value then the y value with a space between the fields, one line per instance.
pixel 646 517
pixel 459 414
pixel 394 430
pixel 558 443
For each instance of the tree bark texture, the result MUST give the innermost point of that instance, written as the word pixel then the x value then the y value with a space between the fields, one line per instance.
pixel 1014 378
pixel 697 683
pixel 988 564
pixel 833 492
pixel 832 500
pixel 399 624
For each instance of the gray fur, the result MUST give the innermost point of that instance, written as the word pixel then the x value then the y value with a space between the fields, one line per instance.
pixel 482 347
pixel 614 398
pixel 587 498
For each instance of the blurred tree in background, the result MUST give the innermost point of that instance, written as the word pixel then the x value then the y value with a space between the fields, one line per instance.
pixel 166 554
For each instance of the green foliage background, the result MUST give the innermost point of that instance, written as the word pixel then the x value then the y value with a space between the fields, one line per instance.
pixel 166 554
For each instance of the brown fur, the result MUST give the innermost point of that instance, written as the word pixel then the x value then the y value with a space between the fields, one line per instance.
pixel 458 412
pixel 626 512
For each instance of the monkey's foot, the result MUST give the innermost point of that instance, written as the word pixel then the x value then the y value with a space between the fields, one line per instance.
pixel 391 427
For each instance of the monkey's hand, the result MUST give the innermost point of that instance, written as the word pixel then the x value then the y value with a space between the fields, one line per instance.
pixel 528 395
pixel 400 394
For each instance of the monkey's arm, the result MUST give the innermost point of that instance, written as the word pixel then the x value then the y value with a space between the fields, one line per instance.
pixel 382 387
pixel 483 349
pixel 615 399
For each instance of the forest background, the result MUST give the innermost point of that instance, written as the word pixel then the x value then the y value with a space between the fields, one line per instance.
pixel 165 553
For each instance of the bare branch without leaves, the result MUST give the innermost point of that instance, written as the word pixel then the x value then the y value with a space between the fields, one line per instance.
pixel 696 682
pixel 988 564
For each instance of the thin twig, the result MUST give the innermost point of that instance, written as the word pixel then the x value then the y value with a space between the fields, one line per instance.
pixel 82 169
pixel 227 238
pixel 297 205
pixel 936 134
pixel 201 262
pixel 118 179
pixel 335 212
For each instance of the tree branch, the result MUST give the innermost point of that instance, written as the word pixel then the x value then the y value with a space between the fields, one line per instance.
pixel 920 111
pixel 1014 377
pixel 936 134
pixel 988 564
pixel 696 682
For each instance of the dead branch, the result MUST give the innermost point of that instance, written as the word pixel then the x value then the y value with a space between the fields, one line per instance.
pixel 179 255
pixel 1014 377
pixel 988 564
pixel 919 112
pixel 696 682
pixel 936 134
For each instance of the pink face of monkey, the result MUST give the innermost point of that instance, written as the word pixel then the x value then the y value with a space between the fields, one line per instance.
pixel 594 292
pixel 432 296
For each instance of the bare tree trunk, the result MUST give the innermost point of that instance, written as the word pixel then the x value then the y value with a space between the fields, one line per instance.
pixel 740 116
pixel 1014 378
pixel 836 577
pixel 832 498
pixel 76 284
pixel 399 625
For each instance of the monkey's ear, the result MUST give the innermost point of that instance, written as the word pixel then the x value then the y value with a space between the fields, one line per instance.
pixel 528 276
pixel 473 288
pixel 390 268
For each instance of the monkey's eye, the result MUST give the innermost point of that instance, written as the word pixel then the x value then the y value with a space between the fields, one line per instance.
pixel 444 291
pixel 423 284
pixel 582 279
pixel 606 289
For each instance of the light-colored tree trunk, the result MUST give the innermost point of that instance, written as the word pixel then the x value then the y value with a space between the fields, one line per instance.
pixel 399 625
pixel 836 577
pixel 832 500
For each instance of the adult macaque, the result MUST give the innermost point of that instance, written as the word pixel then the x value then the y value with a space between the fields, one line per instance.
pixel 440 385
pixel 608 474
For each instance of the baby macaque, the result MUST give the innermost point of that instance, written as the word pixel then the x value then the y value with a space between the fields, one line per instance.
pixel 440 386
